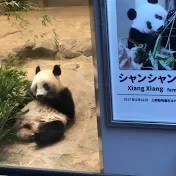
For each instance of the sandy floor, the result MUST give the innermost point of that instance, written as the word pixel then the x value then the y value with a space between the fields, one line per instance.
pixel 79 150
pixel 67 22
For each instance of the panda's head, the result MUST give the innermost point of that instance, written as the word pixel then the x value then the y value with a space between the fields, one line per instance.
pixel 46 81
pixel 148 18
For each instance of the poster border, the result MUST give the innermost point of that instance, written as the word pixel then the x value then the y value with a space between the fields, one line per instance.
pixel 108 84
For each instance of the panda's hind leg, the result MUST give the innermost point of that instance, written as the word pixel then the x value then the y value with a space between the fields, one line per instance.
pixel 49 133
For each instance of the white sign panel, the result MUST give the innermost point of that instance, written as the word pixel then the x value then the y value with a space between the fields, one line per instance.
pixel 142 61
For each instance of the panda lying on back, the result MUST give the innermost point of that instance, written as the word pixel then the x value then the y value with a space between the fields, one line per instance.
pixel 49 113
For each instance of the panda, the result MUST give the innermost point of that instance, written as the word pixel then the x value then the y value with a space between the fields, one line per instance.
pixel 148 21
pixel 44 119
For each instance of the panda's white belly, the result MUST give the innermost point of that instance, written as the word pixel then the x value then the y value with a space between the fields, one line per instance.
pixel 40 112
pixel 36 113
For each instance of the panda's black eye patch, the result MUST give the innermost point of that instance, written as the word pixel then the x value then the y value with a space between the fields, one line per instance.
pixel 158 17
pixel 46 86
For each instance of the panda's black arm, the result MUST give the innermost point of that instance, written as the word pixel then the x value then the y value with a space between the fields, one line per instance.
pixel 62 101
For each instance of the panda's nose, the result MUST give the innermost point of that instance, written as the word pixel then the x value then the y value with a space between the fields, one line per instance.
pixel 40 97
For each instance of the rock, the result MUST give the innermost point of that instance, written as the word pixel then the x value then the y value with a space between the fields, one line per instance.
pixel 21 53
pixel 67 44
pixel 67 49
pixel 41 52
pixel 51 45
pixel 87 51
pixel 44 49
pixel 36 50
pixel 72 48
pixel 29 45
pixel 69 54
pixel 58 56
pixel 79 45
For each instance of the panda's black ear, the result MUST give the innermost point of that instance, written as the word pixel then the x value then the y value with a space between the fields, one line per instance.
pixel 57 70
pixel 132 14
pixel 37 69
pixel 153 1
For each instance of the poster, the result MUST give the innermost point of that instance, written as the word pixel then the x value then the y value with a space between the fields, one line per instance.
pixel 143 80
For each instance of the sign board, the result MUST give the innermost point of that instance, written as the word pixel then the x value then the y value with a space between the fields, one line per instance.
pixel 140 73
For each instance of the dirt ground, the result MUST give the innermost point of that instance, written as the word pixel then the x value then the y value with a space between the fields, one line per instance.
pixel 79 150
pixel 67 22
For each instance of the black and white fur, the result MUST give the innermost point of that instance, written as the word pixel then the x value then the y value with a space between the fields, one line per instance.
pixel 148 20
pixel 49 113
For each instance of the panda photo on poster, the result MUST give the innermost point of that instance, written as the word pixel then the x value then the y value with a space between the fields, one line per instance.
pixel 143 60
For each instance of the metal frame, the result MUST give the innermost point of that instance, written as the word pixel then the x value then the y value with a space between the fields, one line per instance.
pixel 103 61
pixel 15 171
pixel 95 25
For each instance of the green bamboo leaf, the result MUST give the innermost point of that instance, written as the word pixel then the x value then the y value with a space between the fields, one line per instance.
pixel 169 60
pixel 157 46
pixel 161 56
pixel 155 65
pixel 164 65
pixel 151 58
pixel 14 93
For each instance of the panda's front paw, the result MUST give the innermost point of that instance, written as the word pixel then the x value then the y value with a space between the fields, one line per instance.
pixel 25 134
pixel 50 96
pixel 51 99
pixel 37 138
